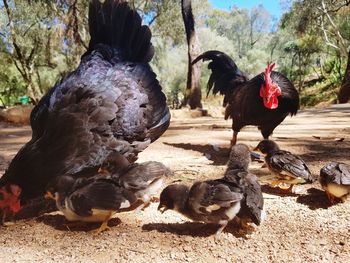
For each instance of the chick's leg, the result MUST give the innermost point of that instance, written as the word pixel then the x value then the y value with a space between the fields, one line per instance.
pixel 223 224
pixel 104 226
pixel 288 190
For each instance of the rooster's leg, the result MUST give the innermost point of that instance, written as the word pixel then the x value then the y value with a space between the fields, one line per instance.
pixel 234 138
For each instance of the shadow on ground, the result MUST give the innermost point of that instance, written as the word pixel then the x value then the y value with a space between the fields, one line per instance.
pixel 196 229
pixel 219 156
pixel 314 199
pixel 59 222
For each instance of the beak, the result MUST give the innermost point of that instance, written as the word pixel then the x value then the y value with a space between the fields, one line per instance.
pixel 49 195
pixel 162 208
pixel 103 171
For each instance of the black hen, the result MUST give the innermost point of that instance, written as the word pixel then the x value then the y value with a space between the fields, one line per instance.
pixel 263 101
pixel 111 102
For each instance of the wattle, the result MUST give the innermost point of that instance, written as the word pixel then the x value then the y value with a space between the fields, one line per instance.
pixel 272 103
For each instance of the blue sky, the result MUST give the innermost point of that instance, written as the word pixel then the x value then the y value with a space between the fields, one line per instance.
pixel 272 6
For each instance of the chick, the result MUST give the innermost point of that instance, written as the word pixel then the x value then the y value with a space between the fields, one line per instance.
pixel 335 180
pixel 289 168
pixel 212 201
pixel 252 205
pixel 114 163
pixel 145 180
pixel 93 199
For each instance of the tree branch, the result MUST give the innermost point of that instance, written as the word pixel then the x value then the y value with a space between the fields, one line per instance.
pixel 328 42
pixel 343 47
pixel 18 67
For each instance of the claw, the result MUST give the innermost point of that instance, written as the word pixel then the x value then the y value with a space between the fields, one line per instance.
pixel 288 190
pixel 104 227
pixel 275 183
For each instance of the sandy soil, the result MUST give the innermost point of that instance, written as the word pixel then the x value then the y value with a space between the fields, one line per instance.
pixel 300 227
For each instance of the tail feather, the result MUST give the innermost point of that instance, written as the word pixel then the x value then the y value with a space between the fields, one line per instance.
pixel 225 73
pixel 116 24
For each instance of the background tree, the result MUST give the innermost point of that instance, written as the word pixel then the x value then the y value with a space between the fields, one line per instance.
pixel 194 94
pixel 41 41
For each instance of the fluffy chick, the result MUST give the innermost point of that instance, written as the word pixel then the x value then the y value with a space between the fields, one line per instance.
pixel 335 180
pixel 212 201
pixel 145 180
pixel 289 168
pixel 252 205
pixel 94 199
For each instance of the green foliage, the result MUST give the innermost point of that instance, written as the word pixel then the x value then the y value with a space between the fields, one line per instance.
pixel 11 87
pixel 52 35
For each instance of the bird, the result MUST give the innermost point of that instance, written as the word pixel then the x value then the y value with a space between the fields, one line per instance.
pixel 112 102
pixel 145 179
pixel 115 164
pixel 90 199
pixel 211 201
pixel 263 101
pixel 335 180
pixel 289 168
pixel 237 172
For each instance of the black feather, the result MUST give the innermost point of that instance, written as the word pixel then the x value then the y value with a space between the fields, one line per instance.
pixel 224 72
pixel 115 24
pixel 111 102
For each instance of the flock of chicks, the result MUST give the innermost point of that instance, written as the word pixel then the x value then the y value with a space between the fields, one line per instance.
pixel 88 129
pixel 120 186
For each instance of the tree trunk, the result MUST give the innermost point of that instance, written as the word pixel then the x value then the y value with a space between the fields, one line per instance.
pixel 344 92
pixel 193 94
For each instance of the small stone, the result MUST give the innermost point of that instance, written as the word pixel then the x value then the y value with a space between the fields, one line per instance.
pixel 187 248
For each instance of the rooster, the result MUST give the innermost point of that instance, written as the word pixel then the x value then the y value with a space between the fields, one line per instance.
pixel 263 101
pixel 111 103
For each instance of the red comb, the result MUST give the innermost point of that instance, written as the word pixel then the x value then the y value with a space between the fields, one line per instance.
pixel 268 70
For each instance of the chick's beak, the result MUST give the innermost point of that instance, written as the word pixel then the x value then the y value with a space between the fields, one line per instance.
pixel 49 195
pixel 162 208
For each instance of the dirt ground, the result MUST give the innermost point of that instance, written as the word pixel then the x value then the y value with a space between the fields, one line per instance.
pixel 300 227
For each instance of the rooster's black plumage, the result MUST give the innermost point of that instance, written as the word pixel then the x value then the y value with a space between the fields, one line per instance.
pixel 242 97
